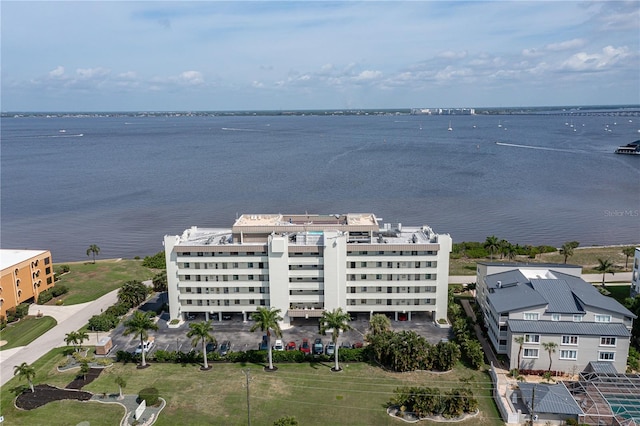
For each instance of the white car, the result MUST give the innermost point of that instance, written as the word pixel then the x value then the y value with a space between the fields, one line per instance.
pixel 279 345
pixel 146 347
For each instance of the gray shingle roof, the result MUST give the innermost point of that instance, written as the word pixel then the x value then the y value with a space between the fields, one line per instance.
pixel 567 327
pixel 552 399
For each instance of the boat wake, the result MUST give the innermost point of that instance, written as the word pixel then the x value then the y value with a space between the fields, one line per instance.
pixel 542 148
pixel 235 129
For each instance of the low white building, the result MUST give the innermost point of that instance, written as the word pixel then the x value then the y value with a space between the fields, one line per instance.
pixel 304 264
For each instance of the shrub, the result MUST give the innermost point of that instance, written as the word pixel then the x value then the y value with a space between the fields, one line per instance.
pixel 62 269
pixel 124 356
pixel 150 395
pixel 103 322
pixel 58 290
pixel 44 297
pixel 59 302
pixel 157 261
pixel 3 322
pixel 22 310
pixel 165 356
pixel 117 310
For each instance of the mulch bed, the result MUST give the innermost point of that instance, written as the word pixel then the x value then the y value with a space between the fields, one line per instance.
pixel 80 382
pixel 45 393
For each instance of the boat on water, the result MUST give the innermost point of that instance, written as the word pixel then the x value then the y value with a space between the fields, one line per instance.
pixel 450 128
pixel 632 148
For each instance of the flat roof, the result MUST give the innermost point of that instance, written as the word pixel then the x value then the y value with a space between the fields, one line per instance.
pixel 306 219
pixel 11 257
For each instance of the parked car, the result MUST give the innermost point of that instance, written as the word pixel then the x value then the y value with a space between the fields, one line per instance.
pixel 264 344
pixel 146 346
pixel 291 346
pixel 212 346
pixel 225 348
pixel 318 347
pixel 357 345
pixel 330 349
pixel 226 317
pixel 345 345
pixel 279 345
pixel 305 347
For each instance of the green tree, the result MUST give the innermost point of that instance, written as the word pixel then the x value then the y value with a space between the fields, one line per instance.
pixel 122 383
pixel 510 251
pixel 379 323
pixel 550 347
pixel 628 252
pixel 492 244
pixel 84 369
pixel 606 267
pixel 336 320
pixel 160 282
pixel 520 341
pixel 93 249
pixel 25 371
pixel 139 324
pixel 567 249
pixel 286 421
pixel 71 338
pixel 201 331
pixel 132 293
pixel 267 320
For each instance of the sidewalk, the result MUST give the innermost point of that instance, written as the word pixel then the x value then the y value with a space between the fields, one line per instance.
pixel 69 318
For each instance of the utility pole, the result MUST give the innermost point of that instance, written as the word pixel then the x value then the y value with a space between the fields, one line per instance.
pixel 247 373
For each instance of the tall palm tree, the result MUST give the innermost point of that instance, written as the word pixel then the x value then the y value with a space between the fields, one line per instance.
pixel 520 341
pixel 567 251
pixel 550 347
pixel 336 320
pixel 492 244
pixel 93 249
pixel 82 336
pixel 267 320
pixel 628 252
pixel 606 267
pixel 510 251
pixel 132 293
pixel 379 323
pixel 139 324
pixel 26 371
pixel 200 331
pixel 71 338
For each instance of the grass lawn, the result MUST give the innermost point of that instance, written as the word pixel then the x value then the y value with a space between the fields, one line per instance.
pixel 87 281
pixel 25 331
pixel 310 392
pixel 619 292
pixel 586 257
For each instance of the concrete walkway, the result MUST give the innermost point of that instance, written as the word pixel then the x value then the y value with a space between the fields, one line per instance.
pixel 70 318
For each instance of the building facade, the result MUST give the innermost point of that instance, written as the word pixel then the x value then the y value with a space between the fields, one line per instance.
pixel 635 274
pixel 305 264
pixel 25 273
pixel 545 316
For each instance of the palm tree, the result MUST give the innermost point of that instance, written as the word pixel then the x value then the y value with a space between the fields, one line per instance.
pixel 72 338
pixel 122 383
pixel 628 252
pixel 551 348
pixel 267 320
pixel 201 331
pixel 336 320
pixel 510 251
pixel 93 249
pixel 605 266
pixel 139 324
pixel 519 340
pixel 132 293
pixel 492 244
pixel 379 323
pixel 567 251
pixel 81 336
pixel 27 371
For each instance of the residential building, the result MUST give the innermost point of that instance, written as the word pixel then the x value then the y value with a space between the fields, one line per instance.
pixel 551 304
pixel 25 273
pixel 304 264
pixel 635 274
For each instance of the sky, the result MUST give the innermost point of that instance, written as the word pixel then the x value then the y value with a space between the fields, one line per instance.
pixel 296 55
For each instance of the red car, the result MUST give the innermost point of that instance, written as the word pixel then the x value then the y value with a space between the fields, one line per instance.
pixel 305 347
pixel 291 346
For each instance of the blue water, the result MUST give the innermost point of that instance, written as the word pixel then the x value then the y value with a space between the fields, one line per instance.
pixel 124 182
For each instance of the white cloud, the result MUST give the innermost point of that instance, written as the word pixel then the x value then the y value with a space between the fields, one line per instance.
pixel 193 78
pixel 368 75
pixel 583 61
pixel 58 72
pixel 566 45
pixel 91 73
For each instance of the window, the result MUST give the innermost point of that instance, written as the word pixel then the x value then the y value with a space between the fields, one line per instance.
pixel 236 277
pixel 569 354
pixel 363 264
pixel 556 317
pixel 187 277
pixel 252 289
pixel 378 276
pixel 530 353
pixel 577 318
pixel 531 316
pixel 236 302
pixel 532 338
pixel 603 318
pixel 607 341
pixel 47 260
pixel 569 340
pixel 606 356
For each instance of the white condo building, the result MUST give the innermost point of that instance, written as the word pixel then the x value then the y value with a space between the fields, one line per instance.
pixel 304 264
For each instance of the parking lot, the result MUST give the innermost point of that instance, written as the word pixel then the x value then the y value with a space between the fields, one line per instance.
pixel 237 332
